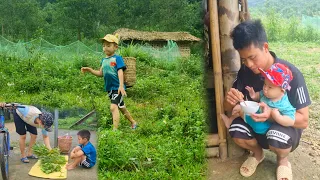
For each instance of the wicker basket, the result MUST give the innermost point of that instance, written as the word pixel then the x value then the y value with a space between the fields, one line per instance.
pixel 64 143
pixel 130 72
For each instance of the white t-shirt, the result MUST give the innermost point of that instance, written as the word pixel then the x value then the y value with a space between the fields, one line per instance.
pixel 29 114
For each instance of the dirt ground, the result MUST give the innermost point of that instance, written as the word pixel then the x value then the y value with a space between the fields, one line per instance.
pixel 305 160
pixel 18 170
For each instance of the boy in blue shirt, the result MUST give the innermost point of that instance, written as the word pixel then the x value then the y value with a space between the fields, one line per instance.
pixel 84 154
pixel 274 94
pixel 111 68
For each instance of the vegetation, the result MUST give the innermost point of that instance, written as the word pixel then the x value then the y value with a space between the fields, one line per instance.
pixel 50 160
pixel 167 102
pixel 65 21
pixel 65 123
pixel 287 8
pixel 286 21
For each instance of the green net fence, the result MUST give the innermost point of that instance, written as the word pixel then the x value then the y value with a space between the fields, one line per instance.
pixel 168 52
pixel 44 48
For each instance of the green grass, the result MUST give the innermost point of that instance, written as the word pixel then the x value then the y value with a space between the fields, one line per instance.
pixel 166 101
pixel 89 124
pixel 306 57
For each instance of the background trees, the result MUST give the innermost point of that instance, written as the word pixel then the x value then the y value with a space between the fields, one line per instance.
pixel 65 21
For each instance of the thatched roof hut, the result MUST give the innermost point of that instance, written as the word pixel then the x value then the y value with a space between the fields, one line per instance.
pixel 159 39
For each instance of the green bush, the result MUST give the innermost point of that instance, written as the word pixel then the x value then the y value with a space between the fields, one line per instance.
pixel 283 29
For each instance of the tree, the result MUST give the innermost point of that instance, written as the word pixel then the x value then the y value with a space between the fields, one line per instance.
pixel 20 18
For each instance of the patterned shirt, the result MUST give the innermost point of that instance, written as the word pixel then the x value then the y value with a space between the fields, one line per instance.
pixel 110 67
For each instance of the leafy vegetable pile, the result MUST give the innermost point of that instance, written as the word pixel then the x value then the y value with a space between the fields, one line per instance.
pixel 50 160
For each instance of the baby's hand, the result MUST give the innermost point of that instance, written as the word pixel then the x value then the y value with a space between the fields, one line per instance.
pixel 275 114
pixel 251 92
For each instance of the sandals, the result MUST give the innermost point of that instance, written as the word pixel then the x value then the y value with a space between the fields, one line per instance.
pixel 24 160
pixel 134 126
pixel 32 157
pixel 251 165
pixel 284 172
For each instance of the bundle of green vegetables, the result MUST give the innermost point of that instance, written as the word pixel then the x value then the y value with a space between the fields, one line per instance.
pixel 50 160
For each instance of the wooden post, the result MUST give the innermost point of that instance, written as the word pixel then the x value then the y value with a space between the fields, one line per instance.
pixel 216 59
pixel 56 117
pixel 244 13
pixel 228 19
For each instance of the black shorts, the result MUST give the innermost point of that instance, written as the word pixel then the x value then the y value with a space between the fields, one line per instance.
pixel 85 163
pixel 116 98
pixel 277 136
pixel 22 127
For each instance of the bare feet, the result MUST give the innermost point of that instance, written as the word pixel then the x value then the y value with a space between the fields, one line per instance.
pixel 70 166
pixel 227 121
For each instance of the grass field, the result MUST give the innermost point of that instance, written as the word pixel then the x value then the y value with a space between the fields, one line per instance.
pixel 306 56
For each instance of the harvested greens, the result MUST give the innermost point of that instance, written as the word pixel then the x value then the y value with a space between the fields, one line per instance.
pixel 50 160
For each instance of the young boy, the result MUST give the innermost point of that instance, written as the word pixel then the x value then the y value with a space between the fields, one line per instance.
pixel 277 80
pixel 84 154
pixel 111 68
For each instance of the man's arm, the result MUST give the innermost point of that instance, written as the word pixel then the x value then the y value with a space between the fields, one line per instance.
pixel 302 118
pixel 233 96
pixel 227 106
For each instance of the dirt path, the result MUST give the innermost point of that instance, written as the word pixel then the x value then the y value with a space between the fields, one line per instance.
pixel 20 170
pixel 305 161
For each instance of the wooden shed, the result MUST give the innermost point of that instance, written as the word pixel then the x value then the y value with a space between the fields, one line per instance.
pixel 158 39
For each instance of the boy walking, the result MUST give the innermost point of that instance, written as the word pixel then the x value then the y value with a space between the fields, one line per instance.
pixel 84 154
pixel 111 68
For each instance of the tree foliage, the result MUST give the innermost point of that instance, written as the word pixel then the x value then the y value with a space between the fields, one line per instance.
pixel 288 8
pixel 65 21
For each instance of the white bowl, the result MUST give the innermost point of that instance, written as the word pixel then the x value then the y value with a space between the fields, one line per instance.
pixel 249 107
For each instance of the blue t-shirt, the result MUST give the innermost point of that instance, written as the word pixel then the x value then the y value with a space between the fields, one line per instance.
pixel 283 105
pixel 90 151
pixel 110 67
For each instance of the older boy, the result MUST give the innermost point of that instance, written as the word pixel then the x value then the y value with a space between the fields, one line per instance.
pixel 112 67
